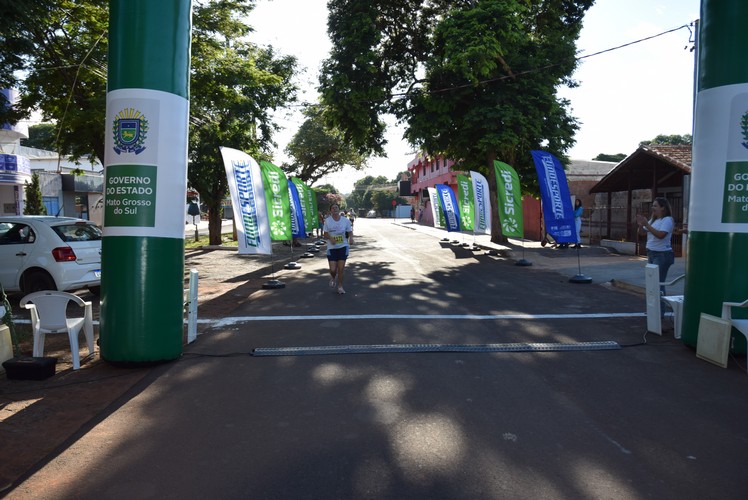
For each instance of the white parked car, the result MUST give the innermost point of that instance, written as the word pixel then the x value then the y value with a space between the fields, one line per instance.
pixel 39 252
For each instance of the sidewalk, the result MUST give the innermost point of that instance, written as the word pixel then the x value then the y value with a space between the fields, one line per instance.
pixel 599 263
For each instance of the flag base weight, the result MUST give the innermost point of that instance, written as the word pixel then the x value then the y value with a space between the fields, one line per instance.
pixel 292 265
pixel 307 255
pixel 523 263
pixel 273 285
pixel 580 278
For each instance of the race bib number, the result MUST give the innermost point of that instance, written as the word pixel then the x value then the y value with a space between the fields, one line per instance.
pixel 337 239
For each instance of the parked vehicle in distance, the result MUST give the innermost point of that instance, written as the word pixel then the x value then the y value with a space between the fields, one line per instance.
pixel 371 214
pixel 39 252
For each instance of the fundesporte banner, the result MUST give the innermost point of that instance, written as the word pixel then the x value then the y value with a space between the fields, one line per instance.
pixel 554 193
pixel 436 210
pixel 449 207
pixel 248 201
pixel 482 204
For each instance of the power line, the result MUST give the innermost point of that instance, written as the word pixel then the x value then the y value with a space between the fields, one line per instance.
pixel 548 66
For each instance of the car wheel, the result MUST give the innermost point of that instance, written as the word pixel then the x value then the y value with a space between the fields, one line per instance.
pixel 37 281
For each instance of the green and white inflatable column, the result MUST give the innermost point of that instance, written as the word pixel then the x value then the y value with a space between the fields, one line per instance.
pixel 717 268
pixel 145 180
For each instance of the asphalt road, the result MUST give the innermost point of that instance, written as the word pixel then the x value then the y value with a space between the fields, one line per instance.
pixel 642 421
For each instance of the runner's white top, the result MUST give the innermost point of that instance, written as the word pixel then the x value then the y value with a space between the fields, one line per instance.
pixel 337 230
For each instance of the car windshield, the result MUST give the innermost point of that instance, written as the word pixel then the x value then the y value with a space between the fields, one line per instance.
pixel 77 232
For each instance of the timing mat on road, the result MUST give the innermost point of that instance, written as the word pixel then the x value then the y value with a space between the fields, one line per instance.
pixel 403 348
pixel 222 322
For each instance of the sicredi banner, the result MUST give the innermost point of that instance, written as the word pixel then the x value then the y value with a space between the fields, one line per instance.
pixel 449 206
pixel 248 202
pixel 278 204
pixel 510 200
pixel 142 194
pixel 482 205
pixel 554 193
pixel 466 201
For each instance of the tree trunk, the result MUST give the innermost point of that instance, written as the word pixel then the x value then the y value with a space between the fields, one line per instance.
pixel 214 224
pixel 496 235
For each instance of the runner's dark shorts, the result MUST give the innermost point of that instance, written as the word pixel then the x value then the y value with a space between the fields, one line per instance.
pixel 335 254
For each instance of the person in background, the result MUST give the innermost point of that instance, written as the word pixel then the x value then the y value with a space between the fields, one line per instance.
pixel 351 217
pixel 338 232
pixel 320 224
pixel 412 214
pixel 659 229
pixel 578 211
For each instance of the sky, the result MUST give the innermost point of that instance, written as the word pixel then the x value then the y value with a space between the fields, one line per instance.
pixel 624 96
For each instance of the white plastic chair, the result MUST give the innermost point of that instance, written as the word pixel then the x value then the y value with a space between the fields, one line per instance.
pixel 654 298
pixel 48 315
pixel 740 325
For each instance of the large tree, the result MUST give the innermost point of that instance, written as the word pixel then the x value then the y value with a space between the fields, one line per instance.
pixel 41 136
pixel 364 189
pixel 234 87
pixel 54 52
pixel 473 80
pixel 318 150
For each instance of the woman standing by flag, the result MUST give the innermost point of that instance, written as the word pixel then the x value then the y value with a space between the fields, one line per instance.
pixel 578 212
pixel 338 232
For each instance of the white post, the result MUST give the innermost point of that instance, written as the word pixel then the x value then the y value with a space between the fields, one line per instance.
pixel 652 281
pixel 192 308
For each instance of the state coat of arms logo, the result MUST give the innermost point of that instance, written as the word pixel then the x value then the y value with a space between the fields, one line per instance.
pixel 130 130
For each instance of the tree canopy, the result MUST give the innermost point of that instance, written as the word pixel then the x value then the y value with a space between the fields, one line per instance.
pixel 318 150
pixel 234 86
pixel 55 53
pixel 364 189
pixel 41 136
pixel 473 81
pixel 672 140
pixel 609 157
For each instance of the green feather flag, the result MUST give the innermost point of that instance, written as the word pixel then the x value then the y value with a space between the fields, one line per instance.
pixel 465 201
pixel 278 201
pixel 510 200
